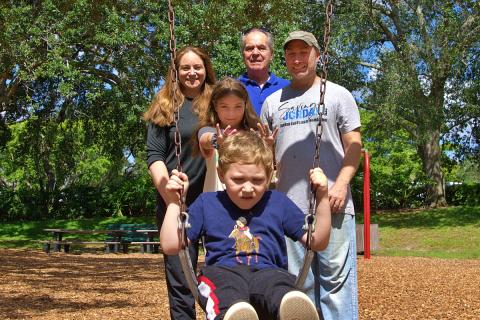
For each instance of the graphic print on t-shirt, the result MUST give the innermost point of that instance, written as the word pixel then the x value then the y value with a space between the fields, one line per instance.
pixel 244 241
pixel 299 114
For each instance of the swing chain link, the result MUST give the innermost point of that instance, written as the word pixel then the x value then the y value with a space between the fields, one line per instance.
pixel 322 112
pixel 323 81
pixel 183 218
pixel 174 76
pixel 183 224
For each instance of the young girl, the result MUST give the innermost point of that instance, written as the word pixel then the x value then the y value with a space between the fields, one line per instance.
pixel 229 111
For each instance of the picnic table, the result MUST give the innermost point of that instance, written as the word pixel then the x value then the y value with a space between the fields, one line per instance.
pixel 115 240
pixel 119 235
pixel 150 246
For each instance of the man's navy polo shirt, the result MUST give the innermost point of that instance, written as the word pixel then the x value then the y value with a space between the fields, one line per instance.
pixel 258 95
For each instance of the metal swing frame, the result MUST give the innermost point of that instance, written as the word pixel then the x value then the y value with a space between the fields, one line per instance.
pixel 309 225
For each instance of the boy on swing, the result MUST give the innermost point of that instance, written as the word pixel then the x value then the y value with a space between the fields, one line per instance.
pixel 245 274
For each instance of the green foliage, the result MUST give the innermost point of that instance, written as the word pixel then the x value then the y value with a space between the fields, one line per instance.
pixel 81 181
pixel 76 76
pixel 464 194
pixel 419 60
pixel 396 176
pixel 463 186
pixel 220 33
pixel 467 171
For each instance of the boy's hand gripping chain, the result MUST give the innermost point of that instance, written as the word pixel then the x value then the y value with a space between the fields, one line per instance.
pixel 309 225
pixel 183 223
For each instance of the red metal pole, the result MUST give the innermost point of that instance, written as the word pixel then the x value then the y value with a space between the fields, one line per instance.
pixel 366 205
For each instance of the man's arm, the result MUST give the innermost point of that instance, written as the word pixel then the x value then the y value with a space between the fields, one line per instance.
pixel 352 145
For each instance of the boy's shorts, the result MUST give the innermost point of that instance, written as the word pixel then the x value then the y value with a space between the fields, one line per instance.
pixel 220 287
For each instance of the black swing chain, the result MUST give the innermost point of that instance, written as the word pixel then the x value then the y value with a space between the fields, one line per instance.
pixel 183 218
pixel 310 217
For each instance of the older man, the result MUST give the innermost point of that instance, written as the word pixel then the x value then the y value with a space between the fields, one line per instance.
pixel 294 111
pixel 257 51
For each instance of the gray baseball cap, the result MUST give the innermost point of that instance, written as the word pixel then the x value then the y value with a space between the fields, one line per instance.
pixel 305 36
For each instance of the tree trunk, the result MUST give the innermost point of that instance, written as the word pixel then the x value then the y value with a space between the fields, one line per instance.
pixel 430 153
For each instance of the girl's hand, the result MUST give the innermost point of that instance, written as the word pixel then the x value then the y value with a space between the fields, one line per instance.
pixel 264 132
pixel 205 144
pixel 176 186
pixel 318 180
pixel 221 135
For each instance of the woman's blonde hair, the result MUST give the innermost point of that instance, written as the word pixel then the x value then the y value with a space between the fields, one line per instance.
pixel 223 88
pixel 161 108
pixel 245 147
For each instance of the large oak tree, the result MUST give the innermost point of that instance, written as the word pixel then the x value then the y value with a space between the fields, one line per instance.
pixel 420 61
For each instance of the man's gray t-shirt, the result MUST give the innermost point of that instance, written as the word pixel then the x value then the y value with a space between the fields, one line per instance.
pixel 295 113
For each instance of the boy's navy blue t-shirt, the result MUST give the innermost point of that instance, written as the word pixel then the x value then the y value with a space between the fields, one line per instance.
pixel 259 244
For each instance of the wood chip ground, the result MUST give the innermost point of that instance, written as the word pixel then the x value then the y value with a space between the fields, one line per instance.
pixel 35 285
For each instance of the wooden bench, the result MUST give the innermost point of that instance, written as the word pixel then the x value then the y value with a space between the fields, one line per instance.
pixel 112 244
pixel 67 243
pixel 117 237
pixel 139 234
pixel 148 246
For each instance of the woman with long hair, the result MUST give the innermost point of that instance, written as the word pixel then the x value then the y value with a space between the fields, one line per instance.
pixel 195 81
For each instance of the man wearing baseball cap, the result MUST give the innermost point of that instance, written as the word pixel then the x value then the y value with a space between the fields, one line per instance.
pixel 294 111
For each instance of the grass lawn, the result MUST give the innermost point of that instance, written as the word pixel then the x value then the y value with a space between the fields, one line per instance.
pixel 442 233
pixel 25 234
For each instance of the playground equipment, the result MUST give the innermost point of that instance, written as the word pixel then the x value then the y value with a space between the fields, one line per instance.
pixel 366 204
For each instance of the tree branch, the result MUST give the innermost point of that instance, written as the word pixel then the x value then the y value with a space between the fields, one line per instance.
pixel 10 91
pixel 423 30
pixel 390 36
pixel 459 123
pixel 395 16
pixel 108 77
pixel 370 65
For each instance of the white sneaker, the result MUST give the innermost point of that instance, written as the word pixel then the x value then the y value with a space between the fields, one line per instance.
pixel 297 305
pixel 241 311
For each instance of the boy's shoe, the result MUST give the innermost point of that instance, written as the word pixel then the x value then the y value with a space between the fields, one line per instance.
pixel 297 305
pixel 241 311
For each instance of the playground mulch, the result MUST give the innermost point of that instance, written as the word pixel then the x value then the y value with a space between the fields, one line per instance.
pixel 34 285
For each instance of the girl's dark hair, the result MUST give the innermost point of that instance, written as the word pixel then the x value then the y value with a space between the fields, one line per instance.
pixel 223 88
